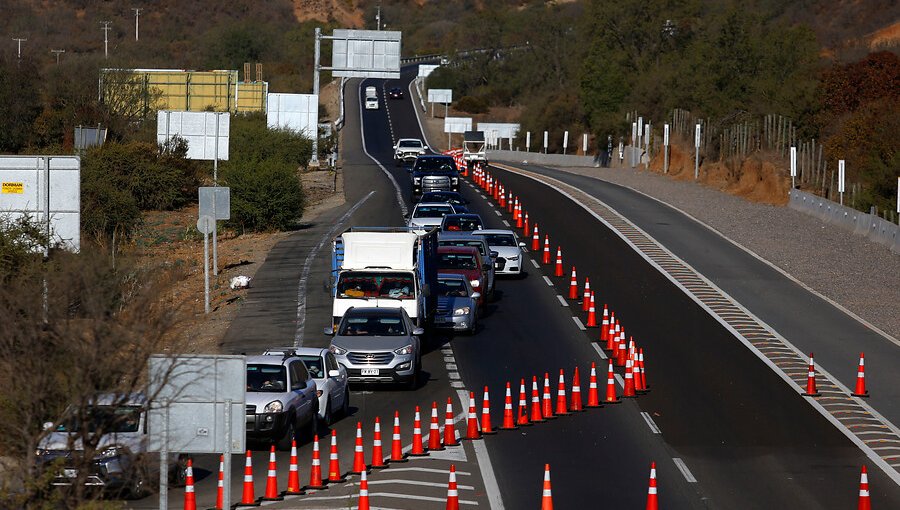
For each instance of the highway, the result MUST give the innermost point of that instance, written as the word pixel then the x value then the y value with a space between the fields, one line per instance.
pixel 742 438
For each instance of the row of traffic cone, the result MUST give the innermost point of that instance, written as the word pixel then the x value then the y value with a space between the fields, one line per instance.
pixel 858 391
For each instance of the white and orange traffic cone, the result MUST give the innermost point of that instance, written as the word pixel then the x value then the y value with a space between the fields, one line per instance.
pixel 271 493
pixel 509 203
pixel 593 393
pixel 652 498
pixel 377 447
pixel 363 492
pixel 622 353
pixel 449 427
pixel 865 502
pixel 220 485
pixel 293 484
pixel 486 428
pixel 562 404
pixel 604 325
pixel 636 374
pixel 536 416
pixel 586 295
pixel 546 257
pixel 520 221
pixel 811 390
pixel 573 285
pixel 522 419
pixel 628 391
pixel 535 239
pixel 452 491
pixel 418 450
pixel 516 210
pixel 315 471
pixel 611 397
pixel 434 433
pixel 546 493
pixel 643 370
pixel 502 197
pixel 334 465
pixel 576 405
pixel 526 229
pixel 248 497
pixel 860 390
pixel 611 336
pixel 547 399
pixel 359 459
pixel 558 271
pixel 472 431
pixel 592 314
pixel 509 420
pixel 396 443
pixel 190 498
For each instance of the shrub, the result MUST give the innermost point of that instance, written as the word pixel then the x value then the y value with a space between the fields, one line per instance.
pixel 251 140
pixel 472 104
pixel 265 195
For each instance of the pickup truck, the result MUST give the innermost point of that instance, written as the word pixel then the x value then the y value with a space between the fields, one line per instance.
pixel 385 267
pixel 433 172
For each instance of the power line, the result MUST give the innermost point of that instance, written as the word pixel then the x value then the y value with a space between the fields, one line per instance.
pixel 105 38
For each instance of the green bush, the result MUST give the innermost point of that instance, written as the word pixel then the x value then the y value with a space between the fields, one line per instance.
pixel 472 104
pixel 265 195
pixel 251 140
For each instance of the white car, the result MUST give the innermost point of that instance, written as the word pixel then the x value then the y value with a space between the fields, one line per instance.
pixel 427 215
pixel 508 248
pixel 330 377
pixel 408 149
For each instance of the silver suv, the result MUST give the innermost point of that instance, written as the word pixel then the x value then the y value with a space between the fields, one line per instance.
pixel 281 399
pixel 378 345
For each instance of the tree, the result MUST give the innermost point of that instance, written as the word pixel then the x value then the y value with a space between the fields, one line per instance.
pixel 19 101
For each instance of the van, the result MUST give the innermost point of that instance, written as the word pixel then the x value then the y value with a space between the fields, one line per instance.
pixel 371 98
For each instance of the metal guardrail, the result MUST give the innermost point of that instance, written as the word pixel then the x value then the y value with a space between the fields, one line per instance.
pixel 539 158
pixel 876 229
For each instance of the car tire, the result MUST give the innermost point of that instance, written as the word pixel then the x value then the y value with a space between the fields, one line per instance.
pixel 345 407
pixel 290 434
pixel 138 484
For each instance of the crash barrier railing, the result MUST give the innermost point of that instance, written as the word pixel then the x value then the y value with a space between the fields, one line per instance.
pixel 876 229
pixel 339 123
pixel 419 82
pixel 539 158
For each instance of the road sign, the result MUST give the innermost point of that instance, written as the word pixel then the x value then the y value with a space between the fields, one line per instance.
pixel 365 54
pixel 426 69
pixel 443 96
pixel 201 130
pixel 297 112
pixel 215 202
pixel 503 130
pixel 457 124
pixel 205 224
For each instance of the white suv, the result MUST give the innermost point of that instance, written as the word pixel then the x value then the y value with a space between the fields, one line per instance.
pixel 408 149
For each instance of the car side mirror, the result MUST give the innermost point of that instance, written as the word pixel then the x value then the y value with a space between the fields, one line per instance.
pixel 521 244
pixel 329 330
pixel 476 295
pixel 494 254
pixel 418 331
pixel 426 148
pixel 334 372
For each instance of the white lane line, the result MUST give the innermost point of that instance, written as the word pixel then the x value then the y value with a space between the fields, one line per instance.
pixel 650 423
pixel 535 264
pixel 449 359
pixel 452 366
pixel 620 380
pixel 453 375
pixel 562 300
pixel 307 265
pixel 417 482
pixel 599 350
pixel 457 384
pixel 429 470
pixel 491 487
pixel 362 135
pixel 579 324
pixel 506 223
pixel 549 283
pixel 497 213
pixel 684 470
pixel 388 495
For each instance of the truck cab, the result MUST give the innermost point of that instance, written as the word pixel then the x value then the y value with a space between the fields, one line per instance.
pixel 473 148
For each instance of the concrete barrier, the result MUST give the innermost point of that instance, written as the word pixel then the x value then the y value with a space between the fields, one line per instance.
pixel 874 228
pixel 539 158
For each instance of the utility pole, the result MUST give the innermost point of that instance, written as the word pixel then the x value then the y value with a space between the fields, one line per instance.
pixel 378 16
pixel 57 53
pixel 19 40
pixel 105 38
pixel 137 16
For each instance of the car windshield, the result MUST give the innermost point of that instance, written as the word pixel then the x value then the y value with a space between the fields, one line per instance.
pixel 452 288
pixel 104 419
pixel 500 239
pixel 372 326
pixel 314 365
pixel 477 243
pixel 463 224
pixel 432 211
pixel 411 144
pixel 373 285
pixel 435 165
pixel 457 261
pixel 268 378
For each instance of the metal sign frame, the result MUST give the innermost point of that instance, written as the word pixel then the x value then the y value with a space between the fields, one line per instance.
pixel 365 54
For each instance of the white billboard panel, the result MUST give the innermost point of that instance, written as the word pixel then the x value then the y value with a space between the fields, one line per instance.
pixel 426 69
pixel 494 130
pixel 365 54
pixel 28 187
pixel 297 112
pixel 199 129
pixel 457 124
pixel 443 96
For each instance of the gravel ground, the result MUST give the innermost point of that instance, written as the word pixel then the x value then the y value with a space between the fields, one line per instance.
pixel 862 276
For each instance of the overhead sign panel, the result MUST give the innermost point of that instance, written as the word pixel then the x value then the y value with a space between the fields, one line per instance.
pixel 457 124
pixel 366 54
pixel 426 69
pixel 297 112
pixel 494 130
pixel 444 96
pixel 28 186
pixel 200 129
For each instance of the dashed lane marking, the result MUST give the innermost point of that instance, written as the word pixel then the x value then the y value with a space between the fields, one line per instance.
pixel 506 223
pixel 579 324
pixel 416 482
pixel 428 470
pixel 684 470
pixel 599 351
pixel 562 300
pixel 457 384
pixel 650 422
pixel 535 264
pixel 620 380
pixel 549 283
pixel 497 213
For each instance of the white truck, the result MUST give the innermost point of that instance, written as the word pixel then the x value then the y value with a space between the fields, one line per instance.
pixel 385 267
pixel 371 98
pixel 473 148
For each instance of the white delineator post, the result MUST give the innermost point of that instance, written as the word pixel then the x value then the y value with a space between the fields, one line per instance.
pixel 793 166
pixel 546 139
pixel 565 141
pixel 528 141
pixel 697 151
pixel 841 176
pixel 665 148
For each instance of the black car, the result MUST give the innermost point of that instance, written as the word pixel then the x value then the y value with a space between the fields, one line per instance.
pixel 451 197
pixel 395 93
pixel 434 172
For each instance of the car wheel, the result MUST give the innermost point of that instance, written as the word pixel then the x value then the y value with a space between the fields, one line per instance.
pixel 290 433
pixel 179 473
pixel 345 407
pixel 138 484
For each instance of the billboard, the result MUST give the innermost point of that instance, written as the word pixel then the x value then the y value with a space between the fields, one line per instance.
pixel 494 131
pixel 29 187
pixel 297 112
pixel 444 96
pixel 426 69
pixel 199 129
pixel 457 124
pixel 365 54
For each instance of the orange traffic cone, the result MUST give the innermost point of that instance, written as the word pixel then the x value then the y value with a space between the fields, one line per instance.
pixel 865 503
pixel 586 297
pixel 509 203
pixel 546 494
pixel 248 498
pixel 516 209
pixel 363 492
pixel 636 373
pixel 622 353
pixel 559 265
pixel 604 325
pixel 315 472
pixel 486 414
pixel 396 443
pixel 452 492
pixel 190 499
pixel 611 397
pixel 271 493
pixel 576 405
pixel 628 392
pixel 434 434
pixel 546 258
pixel 220 485
pixel 509 422
pixel 449 427
pixel 377 448
pixel 359 459
pixel 573 285
pixel 502 197
pixel 547 399
pixel 652 501
pixel 520 221
pixel 561 402
pixel 860 390
pixel 643 370
pixel 523 405
pixel 526 229
pixel 293 485
pixel 535 239
pixel 611 335
pixel 811 390
pixel 536 416
pixel 592 314
pixel 593 392
pixel 418 449
pixel 472 431
pixel 334 465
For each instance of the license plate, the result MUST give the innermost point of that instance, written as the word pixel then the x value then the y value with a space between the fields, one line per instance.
pixel 442 320
pixel 369 371
pixel 70 473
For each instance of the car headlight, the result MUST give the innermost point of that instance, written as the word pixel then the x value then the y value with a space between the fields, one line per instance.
pixel 40 452
pixel 455 180
pixel 475 283
pixel 406 349
pixel 337 350
pixel 274 406
pixel 461 311
pixel 513 258
pixel 110 451
pixel 417 180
